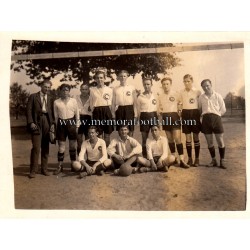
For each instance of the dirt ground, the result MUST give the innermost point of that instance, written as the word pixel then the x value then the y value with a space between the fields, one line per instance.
pixel 194 189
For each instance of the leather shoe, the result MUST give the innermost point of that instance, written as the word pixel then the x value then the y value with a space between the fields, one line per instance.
pixel 184 165
pixel 32 175
pixel 58 170
pixel 46 173
pixel 196 162
pixel 190 161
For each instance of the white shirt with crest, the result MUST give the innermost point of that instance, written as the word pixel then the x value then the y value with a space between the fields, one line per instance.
pixel 168 102
pixel 100 97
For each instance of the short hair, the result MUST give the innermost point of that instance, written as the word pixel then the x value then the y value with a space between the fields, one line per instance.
pixel 155 125
pixel 123 71
pixel 188 76
pixel 84 84
pixel 166 79
pixel 124 126
pixel 65 85
pixel 93 127
pixel 99 72
pixel 147 78
pixel 206 80
pixel 46 81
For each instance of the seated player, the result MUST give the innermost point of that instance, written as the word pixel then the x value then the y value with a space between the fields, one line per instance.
pixel 124 150
pixel 157 153
pixel 93 155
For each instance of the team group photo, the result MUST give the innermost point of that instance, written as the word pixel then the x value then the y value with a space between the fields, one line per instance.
pixel 128 126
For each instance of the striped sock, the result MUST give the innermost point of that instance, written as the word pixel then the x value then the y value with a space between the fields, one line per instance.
pixel 189 148
pixel 197 148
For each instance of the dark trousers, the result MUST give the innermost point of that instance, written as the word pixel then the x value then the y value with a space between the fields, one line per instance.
pixel 40 139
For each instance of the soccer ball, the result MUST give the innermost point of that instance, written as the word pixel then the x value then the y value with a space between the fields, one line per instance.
pixel 76 165
pixel 125 170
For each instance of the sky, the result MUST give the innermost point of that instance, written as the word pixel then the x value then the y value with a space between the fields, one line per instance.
pixel 225 68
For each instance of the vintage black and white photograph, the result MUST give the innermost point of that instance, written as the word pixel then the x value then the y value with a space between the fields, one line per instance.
pixel 128 126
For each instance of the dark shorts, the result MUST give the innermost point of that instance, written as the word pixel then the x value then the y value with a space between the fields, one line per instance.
pixel 147 120
pixel 171 121
pixel 156 159
pixel 91 163
pixel 117 165
pixel 66 128
pixel 125 114
pixel 102 119
pixel 191 121
pixel 211 123
pixel 85 123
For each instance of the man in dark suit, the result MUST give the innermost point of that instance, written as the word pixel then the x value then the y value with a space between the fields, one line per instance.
pixel 40 118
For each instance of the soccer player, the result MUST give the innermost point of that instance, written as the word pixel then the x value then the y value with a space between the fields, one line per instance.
pixel 67 117
pixel 147 111
pixel 93 155
pixel 40 118
pixel 100 105
pixel 191 118
pixel 85 114
pixel 124 150
pixel 212 107
pixel 124 103
pixel 157 153
pixel 169 104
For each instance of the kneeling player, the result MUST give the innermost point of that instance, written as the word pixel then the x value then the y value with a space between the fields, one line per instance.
pixel 157 153
pixel 93 155
pixel 124 150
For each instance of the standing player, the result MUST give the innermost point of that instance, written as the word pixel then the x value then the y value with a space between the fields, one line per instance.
pixel 169 104
pixel 67 117
pixel 40 118
pixel 124 103
pixel 124 150
pixel 85 114
pixel 157 153
pixel 191 118
pixel 147 111
pixel 100 105
pixel 212 107
pixel 93 155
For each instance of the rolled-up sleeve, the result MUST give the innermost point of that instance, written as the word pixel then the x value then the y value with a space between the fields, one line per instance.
pixel 222 105
pixel 104 152
pixel 112 148
pixel 137 148
pixel 83 151
pixel 149 149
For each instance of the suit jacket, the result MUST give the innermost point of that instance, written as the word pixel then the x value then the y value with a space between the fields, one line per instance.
pixel 34 110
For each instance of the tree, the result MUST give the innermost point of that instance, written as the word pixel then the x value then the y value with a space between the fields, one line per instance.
pixel 233 101
pixel 18 99
pixel 79 69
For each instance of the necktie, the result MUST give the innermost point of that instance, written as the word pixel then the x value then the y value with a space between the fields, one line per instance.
pixel 44 105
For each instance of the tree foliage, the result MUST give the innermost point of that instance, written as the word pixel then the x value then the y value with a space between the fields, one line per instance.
pixel 78 69
pixel 18 99
pixel 233 101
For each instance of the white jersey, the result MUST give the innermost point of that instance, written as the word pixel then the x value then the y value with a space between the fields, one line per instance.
pixel 190 98
pixel 66 110
pixel 83 108
pixel 98 153
pixel 100 97
pixel 157 147
pixel 146 104
pixel 213 104
pixel 123 96
pixel 168 102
